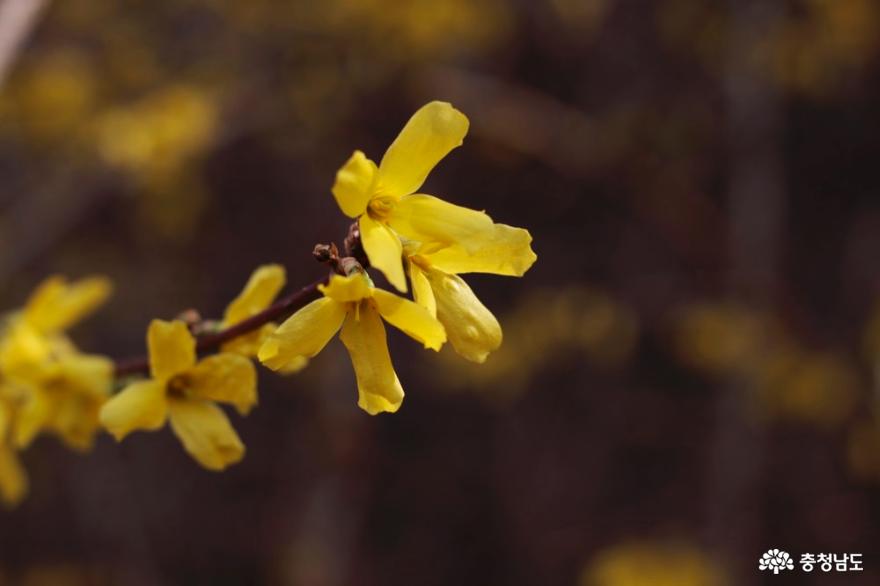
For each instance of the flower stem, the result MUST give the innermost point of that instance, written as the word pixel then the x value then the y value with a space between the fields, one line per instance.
pixel 286 305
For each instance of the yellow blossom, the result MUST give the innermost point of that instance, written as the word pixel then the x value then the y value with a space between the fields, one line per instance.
pixel 65 398
pixel 13 479
pixel 353 305
pixel 472 329
pixel 57 305
pixel 384 200
pixel 654 564
pixel 55 387
pixel 259 292
pixel 36 333
pixel 184 391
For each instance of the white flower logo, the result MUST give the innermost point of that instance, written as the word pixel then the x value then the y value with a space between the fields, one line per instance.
pixel 775 560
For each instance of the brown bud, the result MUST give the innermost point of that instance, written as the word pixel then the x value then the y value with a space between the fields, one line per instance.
pixel 324 252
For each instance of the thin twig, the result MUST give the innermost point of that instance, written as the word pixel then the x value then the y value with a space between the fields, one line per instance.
pixel 286 305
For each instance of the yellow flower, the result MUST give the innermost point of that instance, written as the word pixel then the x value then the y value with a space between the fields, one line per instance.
pixel 36 332
pixel 652 564
pixel 354 305
pixel 56 305
pixel 56 388
pixel 184 390
pixel 384 199
pixel 65 398
pixel 472 329
pixel 258 293
pixel 13 479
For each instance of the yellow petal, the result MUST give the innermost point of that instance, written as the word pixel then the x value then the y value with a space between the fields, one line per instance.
pixel 434 130
pixel 411 318
pixel 304 333
pixel 294 366
pixel 364 336
pixel 57 305
pixel 13 479
pixel 422 293
pixel 249 344
pixel 384 251
pixel 76 421
pixel 5 414
pixel 79 385
pixel 171 347
pixel 32 418
pixel 227 378
pixel 431 220
pixel 471 328
pixel 503 250
pixel 205 432
pixel 89 374
pixel 23 350
pixel 354 184
pixel 140 405
pixel 347 289
pixel 259 292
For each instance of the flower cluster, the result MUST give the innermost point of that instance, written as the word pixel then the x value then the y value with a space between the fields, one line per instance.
pixel 46 384
pixel 405 233
pixel 419 243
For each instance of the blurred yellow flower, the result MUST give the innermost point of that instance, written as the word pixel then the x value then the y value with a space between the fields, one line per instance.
pixel 160 132
pixel 384 198
pixel 354 305
pixel 45 383
pixel 13 479
pixel 420 29
pixel 158 140
pixel 547 326
pixel 184 391
pixel 830 41
pixel 56 305
pixel 65 398
pixel 788 380
pixel 54 95
pixel 651 564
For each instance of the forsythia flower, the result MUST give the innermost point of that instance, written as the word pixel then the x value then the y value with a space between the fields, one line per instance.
pixel 65 398
pixel 184 391
pixel 354 305
pixel 471 328
pixel 259 292
pixel 36 333
pixel 55 387
pixel 13 479
pixel 384 199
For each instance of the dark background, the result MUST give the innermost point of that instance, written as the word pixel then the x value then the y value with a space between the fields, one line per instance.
pixel 688 372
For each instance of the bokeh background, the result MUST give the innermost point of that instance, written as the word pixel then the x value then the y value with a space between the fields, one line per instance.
pixel 689 372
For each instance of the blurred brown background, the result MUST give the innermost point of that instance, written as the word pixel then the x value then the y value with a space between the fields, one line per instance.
pixel 688 373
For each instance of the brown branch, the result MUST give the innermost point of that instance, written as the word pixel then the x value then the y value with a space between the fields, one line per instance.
pixel 286 305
